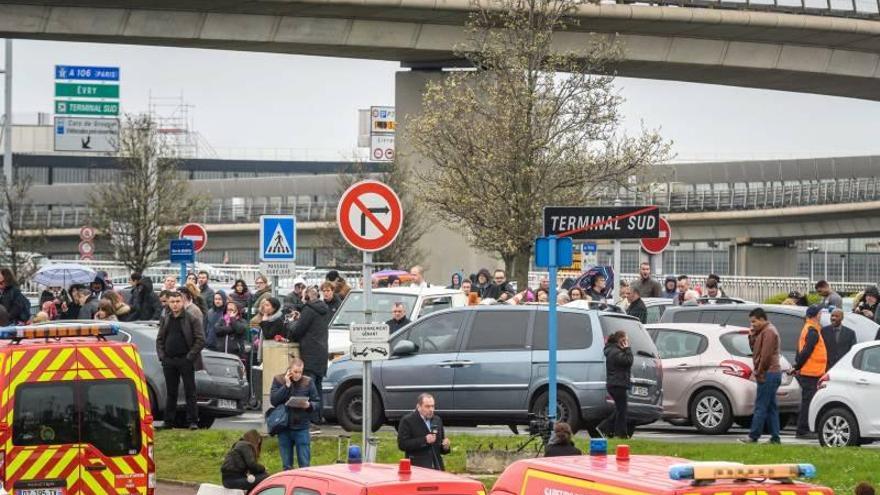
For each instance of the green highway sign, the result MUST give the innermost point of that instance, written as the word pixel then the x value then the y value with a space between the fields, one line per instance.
pixel 86 90
pixel 80 107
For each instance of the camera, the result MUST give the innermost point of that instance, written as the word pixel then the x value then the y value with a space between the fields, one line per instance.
pixel 539 426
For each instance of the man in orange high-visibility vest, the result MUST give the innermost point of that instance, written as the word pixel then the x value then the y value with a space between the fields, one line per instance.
pixel 810 364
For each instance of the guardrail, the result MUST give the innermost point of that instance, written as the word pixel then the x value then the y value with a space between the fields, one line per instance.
pixel 753 197
pixel 756 289
pixel 863 9
pixel 219 212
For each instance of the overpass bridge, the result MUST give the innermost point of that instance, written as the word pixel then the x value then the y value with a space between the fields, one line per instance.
pixel 769 208
pixel 827 47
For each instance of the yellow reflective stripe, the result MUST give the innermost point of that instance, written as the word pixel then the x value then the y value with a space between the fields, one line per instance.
pixel 579 483
pixel 70 456
pixel 121 365
pixel 92 358
pixel 38 464
pixel 55 365
pixel 89 480
pixel 723 493
pixel 815 492
pixel 787 492
pixel 15 462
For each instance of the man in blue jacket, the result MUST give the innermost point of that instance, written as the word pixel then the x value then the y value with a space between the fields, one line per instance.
pixel 298 394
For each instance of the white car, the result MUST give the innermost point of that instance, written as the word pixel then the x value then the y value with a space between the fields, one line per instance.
pixel 655 305
pixel 844 411
pixel 418 302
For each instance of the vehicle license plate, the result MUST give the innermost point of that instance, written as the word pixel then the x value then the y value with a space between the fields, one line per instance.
pixel 227 404
pixel 640 391
pixel 40 491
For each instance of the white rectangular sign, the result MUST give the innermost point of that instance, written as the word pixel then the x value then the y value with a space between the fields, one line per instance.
pixel 369 333
pixel 370 352
pixel 87 134
pixel 278 268
pixel 382 120
pixel 382 147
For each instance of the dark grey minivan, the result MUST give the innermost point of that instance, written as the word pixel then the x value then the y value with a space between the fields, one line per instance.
pixel 488 365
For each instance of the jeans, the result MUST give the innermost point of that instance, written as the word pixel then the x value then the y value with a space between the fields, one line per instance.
pixel 808 390
pixel 241 482
pixel 317 413
pixel 175 369
pixel 287 440
pixel 766 408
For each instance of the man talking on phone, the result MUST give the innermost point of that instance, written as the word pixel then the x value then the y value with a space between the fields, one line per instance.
pixel 421 436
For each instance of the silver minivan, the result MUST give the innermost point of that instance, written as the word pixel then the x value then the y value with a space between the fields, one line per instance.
pixel 488 365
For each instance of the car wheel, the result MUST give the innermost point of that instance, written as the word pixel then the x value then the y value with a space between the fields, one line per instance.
pixel 711 413
pixel 349 407
pixel 206 422
pixel 566 408
pixel 838 428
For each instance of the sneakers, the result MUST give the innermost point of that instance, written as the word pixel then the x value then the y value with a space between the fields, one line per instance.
pixel 193 426
pixel 747 440
pixel 776 441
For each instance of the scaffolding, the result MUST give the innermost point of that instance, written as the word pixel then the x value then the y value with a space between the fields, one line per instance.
pixel 174 119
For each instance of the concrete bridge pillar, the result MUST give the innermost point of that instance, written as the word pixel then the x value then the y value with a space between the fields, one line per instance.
pixel 763 260
pixel 446 250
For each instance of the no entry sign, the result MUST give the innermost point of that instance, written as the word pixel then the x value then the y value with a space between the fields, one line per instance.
pixel 602 222
pixel 657 245
pixel 369 215
pixel 195 232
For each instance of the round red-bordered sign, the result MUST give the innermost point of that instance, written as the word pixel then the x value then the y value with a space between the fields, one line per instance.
pixel 369 215
pixel 657 245
pixel 197 233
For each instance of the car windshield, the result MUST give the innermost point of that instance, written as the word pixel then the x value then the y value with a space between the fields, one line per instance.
pixel 737 344
pixel 352 309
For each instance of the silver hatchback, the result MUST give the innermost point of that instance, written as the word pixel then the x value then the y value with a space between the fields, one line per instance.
pixel 708 376
pixel 488 365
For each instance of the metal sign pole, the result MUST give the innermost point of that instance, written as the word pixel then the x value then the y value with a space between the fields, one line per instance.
pixel 616 264
pixel 274 285
pixel 367 385
pixel 551 334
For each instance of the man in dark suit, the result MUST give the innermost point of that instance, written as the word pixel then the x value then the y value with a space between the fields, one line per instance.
pixel 838 338
pixel 421 436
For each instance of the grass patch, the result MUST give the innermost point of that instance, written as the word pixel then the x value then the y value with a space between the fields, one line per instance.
pixel 196 456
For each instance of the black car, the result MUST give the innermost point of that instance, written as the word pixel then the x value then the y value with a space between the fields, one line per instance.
pixel 221 388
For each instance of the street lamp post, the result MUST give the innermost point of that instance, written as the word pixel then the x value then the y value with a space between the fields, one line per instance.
pixel 811 250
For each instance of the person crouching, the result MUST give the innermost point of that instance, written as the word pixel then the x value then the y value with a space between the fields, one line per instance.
pixel 243 459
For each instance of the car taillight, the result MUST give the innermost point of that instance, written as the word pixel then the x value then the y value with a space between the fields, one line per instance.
pixel 823 382
pixel 736 368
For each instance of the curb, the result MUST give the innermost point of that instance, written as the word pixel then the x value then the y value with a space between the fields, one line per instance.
pixel 188 484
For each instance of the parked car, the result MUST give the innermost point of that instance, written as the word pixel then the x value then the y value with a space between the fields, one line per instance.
pixel 844 410
pixel 419 302
pixel 488 365
pixel 221 388
pixel 708 371
pixel 655 305
pixel 789 320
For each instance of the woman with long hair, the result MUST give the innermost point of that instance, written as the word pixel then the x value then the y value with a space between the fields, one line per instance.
pixel 243 459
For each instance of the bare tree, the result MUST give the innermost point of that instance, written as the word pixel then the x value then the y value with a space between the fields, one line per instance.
pixel 149 202
pixel 404 252
pixel 19 246
pixel 530 125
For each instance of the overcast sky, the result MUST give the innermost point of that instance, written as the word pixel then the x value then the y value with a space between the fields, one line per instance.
pixel 258 101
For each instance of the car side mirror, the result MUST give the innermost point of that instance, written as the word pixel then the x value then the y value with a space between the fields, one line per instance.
pixel 404 348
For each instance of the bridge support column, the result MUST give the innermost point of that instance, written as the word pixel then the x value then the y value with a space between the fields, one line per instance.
pixel 446 251
pixel 763 260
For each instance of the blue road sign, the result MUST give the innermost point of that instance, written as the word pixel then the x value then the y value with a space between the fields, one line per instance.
pixel 589 248
pixel 181 251
pixel 563 252
pixel 86 73
pixel 278 238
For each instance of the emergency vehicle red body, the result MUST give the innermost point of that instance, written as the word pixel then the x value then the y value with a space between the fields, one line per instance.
pixel 368 479
pixel 74 413
pixel 639 475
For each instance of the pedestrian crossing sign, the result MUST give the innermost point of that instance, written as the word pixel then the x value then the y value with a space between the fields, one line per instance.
pixel 277 238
